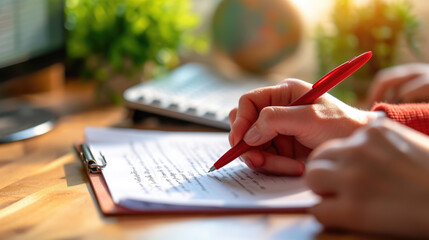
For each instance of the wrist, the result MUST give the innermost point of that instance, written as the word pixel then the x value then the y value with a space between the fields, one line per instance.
pixel 367 117
pixel 374 115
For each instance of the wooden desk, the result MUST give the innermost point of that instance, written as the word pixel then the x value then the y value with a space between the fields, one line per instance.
pixel 45 194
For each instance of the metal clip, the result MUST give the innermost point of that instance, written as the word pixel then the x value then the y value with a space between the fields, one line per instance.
pixel 94 165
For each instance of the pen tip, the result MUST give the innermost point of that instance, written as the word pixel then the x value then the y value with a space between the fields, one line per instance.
pixel 212 169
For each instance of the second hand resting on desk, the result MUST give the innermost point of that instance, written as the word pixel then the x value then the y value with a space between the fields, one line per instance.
pixel 318 89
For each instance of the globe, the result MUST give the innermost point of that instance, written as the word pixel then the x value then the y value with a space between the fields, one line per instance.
pixel 256 34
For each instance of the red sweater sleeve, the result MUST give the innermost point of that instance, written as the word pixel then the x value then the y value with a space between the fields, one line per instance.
pixel 414 115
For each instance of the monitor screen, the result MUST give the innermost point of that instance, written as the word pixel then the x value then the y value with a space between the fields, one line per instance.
pixel 31 35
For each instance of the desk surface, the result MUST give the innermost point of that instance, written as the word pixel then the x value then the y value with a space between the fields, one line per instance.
pixel 44 191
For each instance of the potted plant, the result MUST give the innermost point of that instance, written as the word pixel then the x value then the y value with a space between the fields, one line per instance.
pixel 112 40
pixel 378 26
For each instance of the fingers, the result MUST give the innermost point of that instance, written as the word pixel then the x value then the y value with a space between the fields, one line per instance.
pixel 250 104
pixel 361 150
pixel 331 212
pixel 359 190
pixel 248 110
pixel 321 178
pixel 269 163
pixel 311 125
pixel 384 82
pixel 328 175
pixel 285 146
pixel 391 78
pixel 273 121
pixel 231 117
pixel 415 90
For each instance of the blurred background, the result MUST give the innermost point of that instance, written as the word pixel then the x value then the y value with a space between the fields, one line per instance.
pixel 118 43
pixel 140 39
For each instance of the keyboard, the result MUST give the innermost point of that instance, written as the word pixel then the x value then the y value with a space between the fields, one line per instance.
pixel 193 92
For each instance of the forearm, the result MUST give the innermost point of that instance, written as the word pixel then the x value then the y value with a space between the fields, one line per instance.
pixel 415 116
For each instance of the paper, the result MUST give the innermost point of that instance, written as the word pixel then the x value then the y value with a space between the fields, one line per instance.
pixel 147 168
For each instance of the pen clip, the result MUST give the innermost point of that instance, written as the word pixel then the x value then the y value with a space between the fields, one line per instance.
pixel 94 165
pixel 328 75
pixel 343 71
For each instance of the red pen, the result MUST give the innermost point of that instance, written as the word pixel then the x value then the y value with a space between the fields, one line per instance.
pixel 318 89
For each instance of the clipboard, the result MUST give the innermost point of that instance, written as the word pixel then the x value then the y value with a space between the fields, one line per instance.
pixel 93 167
pixel 99 186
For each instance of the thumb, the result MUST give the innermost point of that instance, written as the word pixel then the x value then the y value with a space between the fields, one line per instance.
pixel 275 120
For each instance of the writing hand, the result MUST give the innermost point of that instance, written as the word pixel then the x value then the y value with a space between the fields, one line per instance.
pixel 262 118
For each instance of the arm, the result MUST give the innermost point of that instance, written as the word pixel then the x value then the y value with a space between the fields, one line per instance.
pixel 415 116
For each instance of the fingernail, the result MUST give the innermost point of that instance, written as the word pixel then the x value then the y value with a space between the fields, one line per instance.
pixel 252 135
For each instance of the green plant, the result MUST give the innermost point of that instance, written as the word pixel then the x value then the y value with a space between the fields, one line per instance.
pixel 131 38
pixel 376 26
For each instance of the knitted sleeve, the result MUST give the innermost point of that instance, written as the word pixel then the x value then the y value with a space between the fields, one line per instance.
pixel 415 115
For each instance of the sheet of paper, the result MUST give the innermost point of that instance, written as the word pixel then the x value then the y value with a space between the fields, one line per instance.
pixel 150 167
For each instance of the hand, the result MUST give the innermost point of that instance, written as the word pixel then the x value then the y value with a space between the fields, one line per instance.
pixel 262 118
pixel 376 181
pixel 404 83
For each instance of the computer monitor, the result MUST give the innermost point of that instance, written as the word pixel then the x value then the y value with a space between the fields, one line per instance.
pixel 32 37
